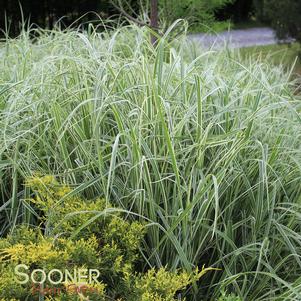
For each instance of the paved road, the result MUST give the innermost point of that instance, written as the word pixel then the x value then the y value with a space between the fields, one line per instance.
pixel 237 38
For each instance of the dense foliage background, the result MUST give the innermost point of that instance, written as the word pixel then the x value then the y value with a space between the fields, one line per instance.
pixel 46 12
pixel 285 17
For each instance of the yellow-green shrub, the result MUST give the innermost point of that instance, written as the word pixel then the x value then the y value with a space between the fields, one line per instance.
pixel 108 243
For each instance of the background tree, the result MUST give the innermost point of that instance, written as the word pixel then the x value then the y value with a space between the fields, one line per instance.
pixel 199 13
pixel 154 18
pixel 237 11
pixel 285 16
pixel 45 13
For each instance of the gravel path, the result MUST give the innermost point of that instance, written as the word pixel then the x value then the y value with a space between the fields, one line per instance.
pixel 237 38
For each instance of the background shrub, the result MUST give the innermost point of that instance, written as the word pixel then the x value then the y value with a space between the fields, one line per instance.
pixel 200 14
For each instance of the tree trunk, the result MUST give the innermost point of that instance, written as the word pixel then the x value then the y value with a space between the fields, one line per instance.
pixel 154 19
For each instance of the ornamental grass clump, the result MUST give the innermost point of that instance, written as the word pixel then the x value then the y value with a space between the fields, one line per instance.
pixel 202 145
